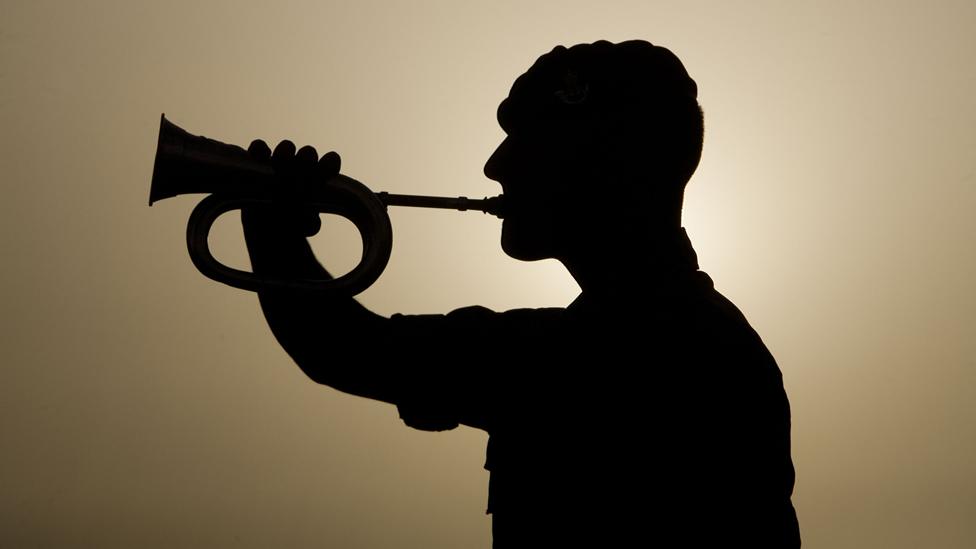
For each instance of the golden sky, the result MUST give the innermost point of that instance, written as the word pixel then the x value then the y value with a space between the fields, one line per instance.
pixel 145 405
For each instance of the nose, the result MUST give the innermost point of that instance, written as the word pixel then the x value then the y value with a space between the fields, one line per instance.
pixel 495 165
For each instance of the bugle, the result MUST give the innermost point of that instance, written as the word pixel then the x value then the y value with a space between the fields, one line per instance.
pixel 188 164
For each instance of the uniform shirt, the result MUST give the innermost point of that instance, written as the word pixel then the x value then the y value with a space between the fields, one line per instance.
pixel 656 419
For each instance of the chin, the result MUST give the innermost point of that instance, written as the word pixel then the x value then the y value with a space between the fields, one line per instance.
pixel 523 254
pixel 523 249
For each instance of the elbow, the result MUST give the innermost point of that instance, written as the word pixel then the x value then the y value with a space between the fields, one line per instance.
pixel 312 366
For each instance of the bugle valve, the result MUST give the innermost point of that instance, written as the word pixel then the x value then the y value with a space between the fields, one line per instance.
pixel 188 164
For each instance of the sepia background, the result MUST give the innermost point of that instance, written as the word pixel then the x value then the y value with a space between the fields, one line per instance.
pixel 143 405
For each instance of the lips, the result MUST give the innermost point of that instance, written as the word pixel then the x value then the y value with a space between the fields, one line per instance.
pixel 495 205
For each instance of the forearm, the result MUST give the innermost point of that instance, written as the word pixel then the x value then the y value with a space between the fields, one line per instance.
pixel 335 340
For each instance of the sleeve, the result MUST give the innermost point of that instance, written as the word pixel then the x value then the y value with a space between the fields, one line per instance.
pixel 457 367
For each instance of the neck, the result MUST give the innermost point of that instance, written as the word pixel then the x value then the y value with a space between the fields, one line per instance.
pixel 619 266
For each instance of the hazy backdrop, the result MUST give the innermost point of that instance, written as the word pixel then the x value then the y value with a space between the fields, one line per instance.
pixel 142 405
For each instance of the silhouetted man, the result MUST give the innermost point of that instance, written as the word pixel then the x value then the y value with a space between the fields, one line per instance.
pixel 647 413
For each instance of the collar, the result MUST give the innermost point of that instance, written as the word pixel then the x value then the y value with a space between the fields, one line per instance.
pixel 669 268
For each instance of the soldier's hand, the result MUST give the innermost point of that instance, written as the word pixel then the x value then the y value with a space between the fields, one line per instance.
pixel 298 173
pixel 276 232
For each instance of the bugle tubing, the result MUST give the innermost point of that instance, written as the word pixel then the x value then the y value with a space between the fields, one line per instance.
pixel 189 164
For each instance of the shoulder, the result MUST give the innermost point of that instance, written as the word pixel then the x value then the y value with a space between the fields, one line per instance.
pixel 714 315
pixel 719 338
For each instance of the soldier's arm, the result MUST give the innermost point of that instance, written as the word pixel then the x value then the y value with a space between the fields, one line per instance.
pixel 335 340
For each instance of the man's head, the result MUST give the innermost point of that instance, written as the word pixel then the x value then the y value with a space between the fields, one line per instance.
pixel 598 134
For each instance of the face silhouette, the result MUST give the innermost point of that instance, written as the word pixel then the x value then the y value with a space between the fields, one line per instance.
pixel 535 173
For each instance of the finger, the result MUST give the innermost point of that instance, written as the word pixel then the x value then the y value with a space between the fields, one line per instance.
pixel 330 163
pixel 307 218
pixel 259 149
pixel 306 161
pixel 307 157
pixel 283 162
pixel 284 149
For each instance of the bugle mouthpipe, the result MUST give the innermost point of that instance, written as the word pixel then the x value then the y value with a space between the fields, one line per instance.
pixel 462 203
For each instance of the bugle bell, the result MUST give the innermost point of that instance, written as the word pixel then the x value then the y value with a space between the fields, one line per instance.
pixel 188 164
